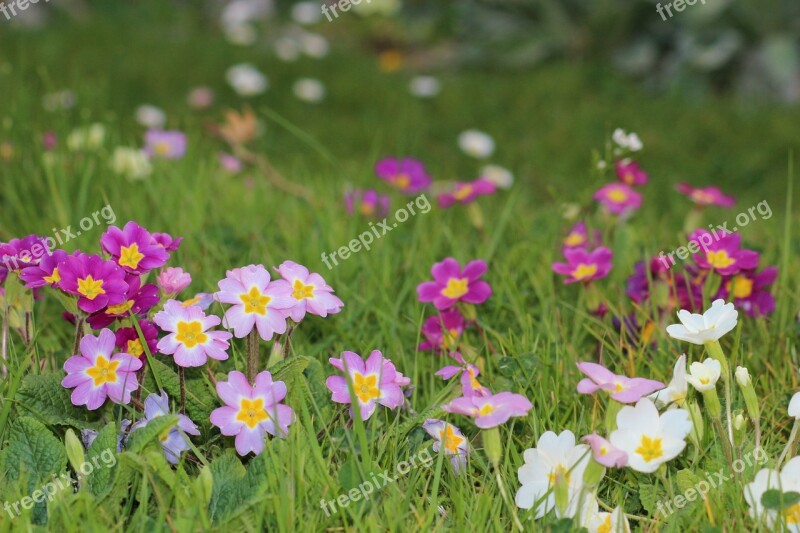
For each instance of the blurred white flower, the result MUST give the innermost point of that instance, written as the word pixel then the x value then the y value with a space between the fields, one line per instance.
pixel 287 49
pixel 629 141
pixel 424 86
pixel 241 34
pixel 245 11
pixel 675 393
pixel 787 480
pixel 476 143
pixel 246 80
pixel 90 138
pixel 306 13
pixel 132 163
pixel 704 376
pixel 150 116
pixel 708 327
pixel 309 90
pixel 58 100
pixel 794 406
pixel 501 177
pixel 314 45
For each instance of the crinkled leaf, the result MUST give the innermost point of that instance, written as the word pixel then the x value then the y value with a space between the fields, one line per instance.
pixel 103 451
pixel 155 429
pixel 45 397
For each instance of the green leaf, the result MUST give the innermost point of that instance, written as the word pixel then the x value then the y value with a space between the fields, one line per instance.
pixel 288 369
pixel 650 496
pixel 100 480
pixel 199 399
pixel 686 480
pixel 776 500
pixel 226 472
pixel 156 428
pixel 45 397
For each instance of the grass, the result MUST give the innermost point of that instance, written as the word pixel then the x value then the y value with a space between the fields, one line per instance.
pixel 546 123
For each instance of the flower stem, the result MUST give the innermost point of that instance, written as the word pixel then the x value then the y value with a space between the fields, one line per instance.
pixel 182 382
pixel 78 335
pixel 790 445
pixel 287 339
pixel 252 355
pixel 493 447
pixel 4 344
pixel 715 351
pixel 726 444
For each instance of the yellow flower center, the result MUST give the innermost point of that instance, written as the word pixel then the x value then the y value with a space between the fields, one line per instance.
pixel 486 410
pixel 705 380
pixel 53 278
pixel 618 387
pixel 456 288
pixel 119 309
pixel 702 197
pixel 473 381
pixel 742 287
pixel 252 412
pixel 628 178
pixel 302 291
pixel 792 514
pixel 559 471
pixel 190 334
pixel 462 192
pixel 130 256
pixel 603 450
pixel 90 288
pixel 650 449
pixel 255 302
pixel 191 301
pixel 402 181
pixel 584 271
pixel 450 440
pixel 449 338
pixel 367 209
pixel 162 148
pixel 617 196
pixel 366 387
pixel 719 259
pixel 605 527
pixel 574 239
pixel 103 371
pixel 134 347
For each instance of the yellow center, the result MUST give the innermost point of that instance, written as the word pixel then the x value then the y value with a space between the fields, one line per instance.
pixel 255 302
pixel 103 371
pixel 367 209
pixel 742 287
pixel 301 290
pixel 473 381
pixel 53 278
pixel 366 387
pixel 191 301
pixel 702 197
pixel 486 410
pixel 450 440
pixel 605 527
pixel 618 387
pixel 617 196
pixel 119 309
pixel 792 514
pixel 456 288
pixel 574 239
pixel 130 256
pixel 559 471
pixel 134 347
pixel 628 178
pixel 252 412
pixel 462 192
pixel 719 259
pixel 162 148
pixel 90 288
pixel 705 381
pixel 449 338
pixel 402 181
pixel 650 449
pixel 584 271
pixel 603 450
pixel 190 334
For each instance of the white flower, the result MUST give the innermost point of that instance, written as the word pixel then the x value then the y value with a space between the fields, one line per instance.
pixel 742 376
pixel 306 13
pixel 244 11
pixel 596 522
pixel 794 406
pixel 90 138
pixel 708 327
pixel 241 34
pixel 787 481
pixel 554 455
pixel 377 7
pixel 309 90
pixel 630 141
pixel 131 163
pixel 287 49
pixel 501 177
pixel 150 116
pixel 476 143
pixel 650 439
pixel 58 100
pixel 424 86
pixel 314 45
pixel 246 80
pixel 704 376
pixel 675 392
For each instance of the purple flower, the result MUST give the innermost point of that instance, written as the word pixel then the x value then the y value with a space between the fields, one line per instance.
pixel 490 411
pixel 722 253
pixel 127 339
pixel 374 382
pixel 230 163
pixel 584 266
pixel 622 388
pixel 470 386
pixel 133 248
pixel 97 282
pixel 618 198
pixel 46 272
pixel 165 144
pixel 367 202
pixel 604 452
pixel 465 192
pixel 167 241
pixel 451 285
pixel 174 442
pixel 750 291
pixel 674 289
pixel 450 440
pixel 578 237
pixel 310 292
pixel 442 331
pixel 190 340
pixel 703 196
pixel 17 254
pixel 137 301
pixel 406 175
pixel 630 173
pixel 173 280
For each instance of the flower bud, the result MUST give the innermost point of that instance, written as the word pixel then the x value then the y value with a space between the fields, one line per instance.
pixel 749 393
pixel 742 376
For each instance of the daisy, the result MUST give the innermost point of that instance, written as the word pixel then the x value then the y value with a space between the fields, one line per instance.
pixel 451 284
pixel 308 292
pixel 706 328
pixel 450 440
pixel 374 382
pixel 190 340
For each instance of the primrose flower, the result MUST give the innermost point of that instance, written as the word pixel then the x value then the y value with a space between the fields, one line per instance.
pixel 127 339
pixel 424 86
pixel 230 163
pixel 246 80
pixel 673 289
pixel 749 290
pixel 173 443
pixel 131 163
pixel 794 406
pixel 367 202
pixel 492 410
pixel 167 241
pixel 622 388
pixel 173 280
pixel 165 144
pixel 203 300
pixel 442 331
pixel 724 254
pixel 309 90
pixel 704 376
pixel 703 196
pixel 578 236
pixel 189 340
pixel 374 381
pixel 650 439
pixel 138 300
pixel 628 141
pixel 476 143
pixel 46 272
pixel 466 192
pixel 788 480
pixel 150 116
pixel 450 439
pixel 97 283
pixel 618 198
pixel 252 411
pixel 584 266
pixel 604 452
pixel 406 175
pixel 96 374
pixel 555 458
pixel 309 292
pixel 133 248
pixel 470 386
pixel 451 284
pixel 629 172
pixel 502 178
pixel 17 254
pixel 675 392
pixel 603 522
pixel 705 328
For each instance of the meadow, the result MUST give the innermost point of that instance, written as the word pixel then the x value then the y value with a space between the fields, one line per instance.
pixel 550 125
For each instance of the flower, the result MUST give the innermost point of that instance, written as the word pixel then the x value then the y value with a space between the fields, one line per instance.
pixel 492 410
pixel 150 116
pixel 96 374
pixel 46 272
pixel 306 13
pixel 603 522
pixel 618 198
pixel 578 236
pixel 704 376
pixel 604 452
pixel 794 406
pixel 189 339
pixel 246 80
pixel 230 163
pixel 742 376
pixel 705 328
pixel 555 457
pixel 239 128
pixel 584 266
pixel 309 90
pixel 424 86
pixel 91 137
pixel 650 439
pixel 470 386
pixel 466 192
pixel 167 241
pixel 173 280
pixel 501 177
pixel 622 388
pixel 97 283
pixel 703 196
pixel 476 143
pixel 723 254
pixel 406 175
pixel 451 285
pixel 629 172
pixel 629 141
pixel 675 392
pixel 127 339
pixel 671 289
pixel 442 331
pixel 164 144
pixel 367 202
pixel 132 163
pixel 18 254
pixel 374 381
pixel 173 442
pixel 252 412
pixel 749 290
pixel 137 301
pixel 309 292
pixel 203 300
pixel 133 248
pixel 450 439
pixel 199 98
pixel 788 480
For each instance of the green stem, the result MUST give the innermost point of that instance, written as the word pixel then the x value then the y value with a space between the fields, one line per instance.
pixel 287 339
pixel 790 445
pixel 252 355
pixel 182 383
pixel 726 444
